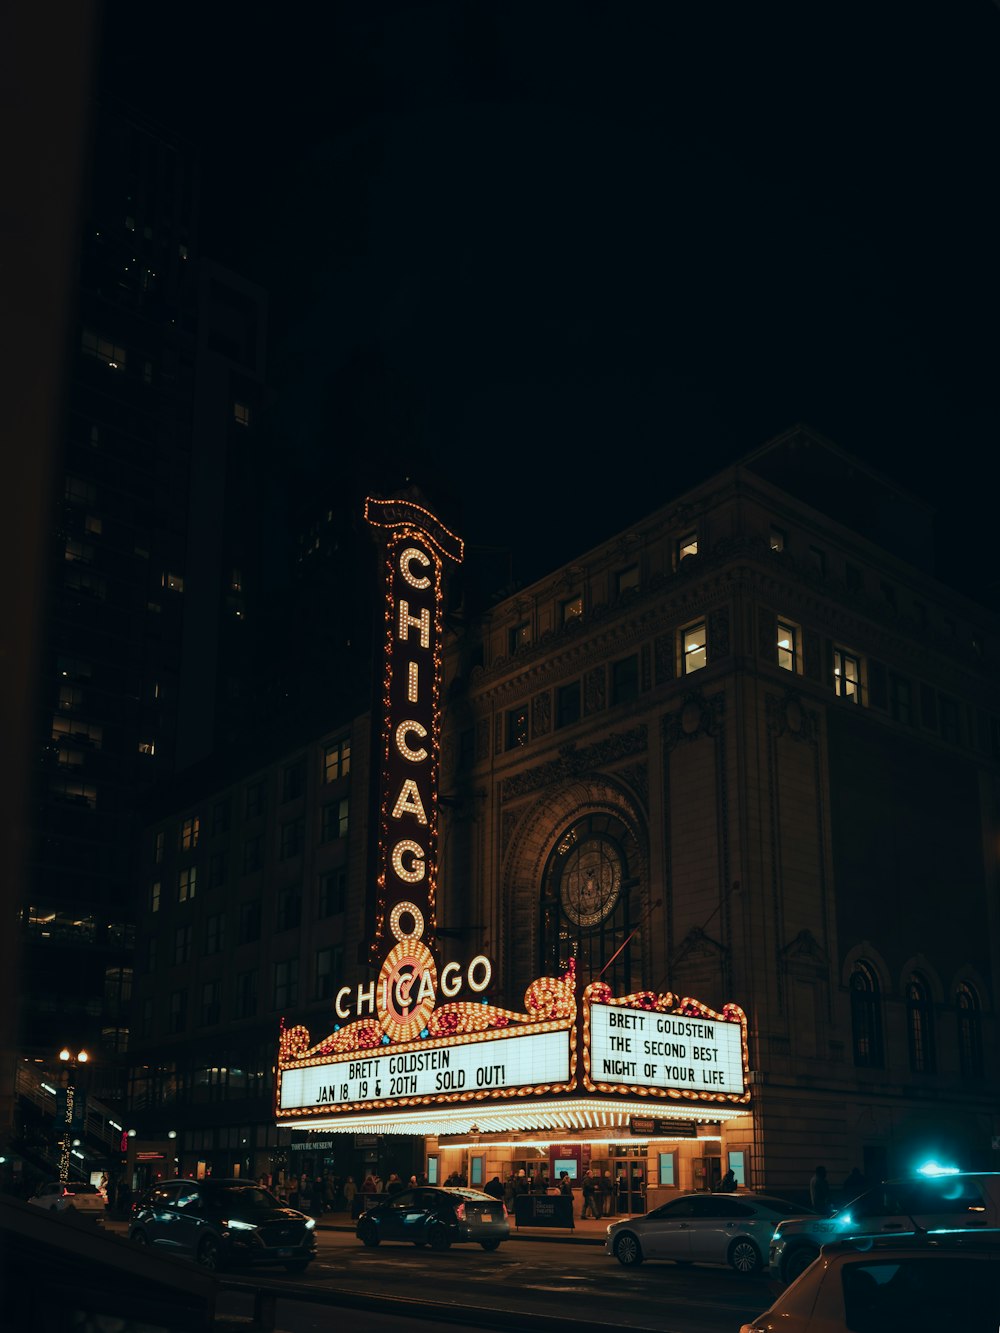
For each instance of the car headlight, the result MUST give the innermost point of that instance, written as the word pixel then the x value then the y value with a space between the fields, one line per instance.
pixel 235 1225
pixel 310 1223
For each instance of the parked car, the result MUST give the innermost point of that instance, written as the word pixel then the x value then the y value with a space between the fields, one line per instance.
pixel 928 1200
pixel 223 1223
pixel 69 1196
pixel 729 1229
pixel 436 1216
pixel 921 1283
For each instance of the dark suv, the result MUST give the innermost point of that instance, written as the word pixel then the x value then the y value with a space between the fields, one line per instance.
pixel 222 1223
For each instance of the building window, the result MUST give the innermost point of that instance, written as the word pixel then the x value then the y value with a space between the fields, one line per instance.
pixel 687 546
pixel 571 610
pixel 246 994
pixel 292 838
pixel 253 854
pixel 241 414
pixel 336 760
pixel 847 675
pixel 517 728
pixel 627 580
pixel 519 637
pixel 182 945
pixel 190 828
pixel 172 582
pixel 888 594
pixel 218 866
pixel 853 578
pixel 866 1017
pixel 289 907
pixel 177 1020
pixel 146 1018
pixel 249 930
pixel 817 559
pixel 147 747
pixel 901 700
pixel 334 821
pixel 211 1003
pixel 150 966
pixel 788 646
pixel 329 966
pixel 286 983
pixel 777 538
pixel 220 817
pixel 255 799
pixel 568 704
pixel 625 680
pixel 332 893
pixel 103 349
pixel 293 779
pixel 694 648
pixel 920 1025
pixel 970 1032
pixel 215 933
pixel 951 720
pixel 187 883
pixel 154 895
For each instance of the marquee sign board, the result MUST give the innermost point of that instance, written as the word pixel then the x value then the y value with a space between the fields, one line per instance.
pixel 662 1046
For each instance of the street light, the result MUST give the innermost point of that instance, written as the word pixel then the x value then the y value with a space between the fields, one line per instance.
pixel 70 1061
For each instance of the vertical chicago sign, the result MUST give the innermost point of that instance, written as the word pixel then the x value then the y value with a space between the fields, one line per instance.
pixel 416 545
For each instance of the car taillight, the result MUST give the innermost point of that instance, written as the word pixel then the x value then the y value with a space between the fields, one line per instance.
pixel 460 1211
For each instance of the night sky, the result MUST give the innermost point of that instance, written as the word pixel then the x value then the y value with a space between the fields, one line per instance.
pixel 580 256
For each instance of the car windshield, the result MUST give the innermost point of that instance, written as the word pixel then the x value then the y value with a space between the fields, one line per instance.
pixel 243 1199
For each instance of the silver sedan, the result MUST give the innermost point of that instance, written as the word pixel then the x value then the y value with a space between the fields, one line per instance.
pixel 732 1229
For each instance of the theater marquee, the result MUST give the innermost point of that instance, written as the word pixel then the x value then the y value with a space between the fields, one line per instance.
pixel 421 1047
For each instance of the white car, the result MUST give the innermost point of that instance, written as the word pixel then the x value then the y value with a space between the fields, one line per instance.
pixel 62 1196
pixel 701 1228
pixel 932 1199
pixel 942 1283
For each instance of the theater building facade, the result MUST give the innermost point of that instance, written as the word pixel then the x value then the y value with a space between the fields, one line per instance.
pixel 683 858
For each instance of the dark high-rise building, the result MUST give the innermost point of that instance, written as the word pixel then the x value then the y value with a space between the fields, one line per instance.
pixel 163 397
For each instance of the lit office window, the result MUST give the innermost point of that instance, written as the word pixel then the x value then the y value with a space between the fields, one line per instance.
pixel 695 649
pixel 787 646
pixel 847 675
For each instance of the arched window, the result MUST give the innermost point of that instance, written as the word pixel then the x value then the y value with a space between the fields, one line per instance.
pixel 970 1032
pixel 866 1017
pixel 588 908
pixel 920 1024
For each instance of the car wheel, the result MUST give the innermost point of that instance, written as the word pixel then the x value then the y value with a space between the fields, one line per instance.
pixel 209 1254
pixel 368 1235
pixel 438 1238
pixel 490 1244
pixel 140 1239
pixel 299 1266
pixel 797 1262
pixel 744 1255
pixel 628 1251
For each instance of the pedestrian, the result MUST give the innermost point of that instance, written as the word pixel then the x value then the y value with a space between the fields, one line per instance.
pixel 329 1192
pixel 591 1198
pixel 393 1184
pixel 819 1191
pixel 522 1185
pixel 607 1192
pixel 727 1184
pixel 350 1190
pixel 494 1188
pixel 565 1184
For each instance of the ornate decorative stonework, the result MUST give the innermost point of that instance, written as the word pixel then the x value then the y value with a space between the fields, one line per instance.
pixel 572 763
pixel 663 658
pixel 541 714
pixel 595 691
pixel 718 633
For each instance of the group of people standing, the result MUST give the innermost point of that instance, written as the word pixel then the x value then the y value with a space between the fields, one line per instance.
pixel 598 1192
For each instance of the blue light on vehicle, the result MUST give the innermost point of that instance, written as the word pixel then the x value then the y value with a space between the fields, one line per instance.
pixel 935 1169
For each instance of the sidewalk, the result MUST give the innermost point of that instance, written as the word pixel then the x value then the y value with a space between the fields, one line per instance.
pixel 586 1230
